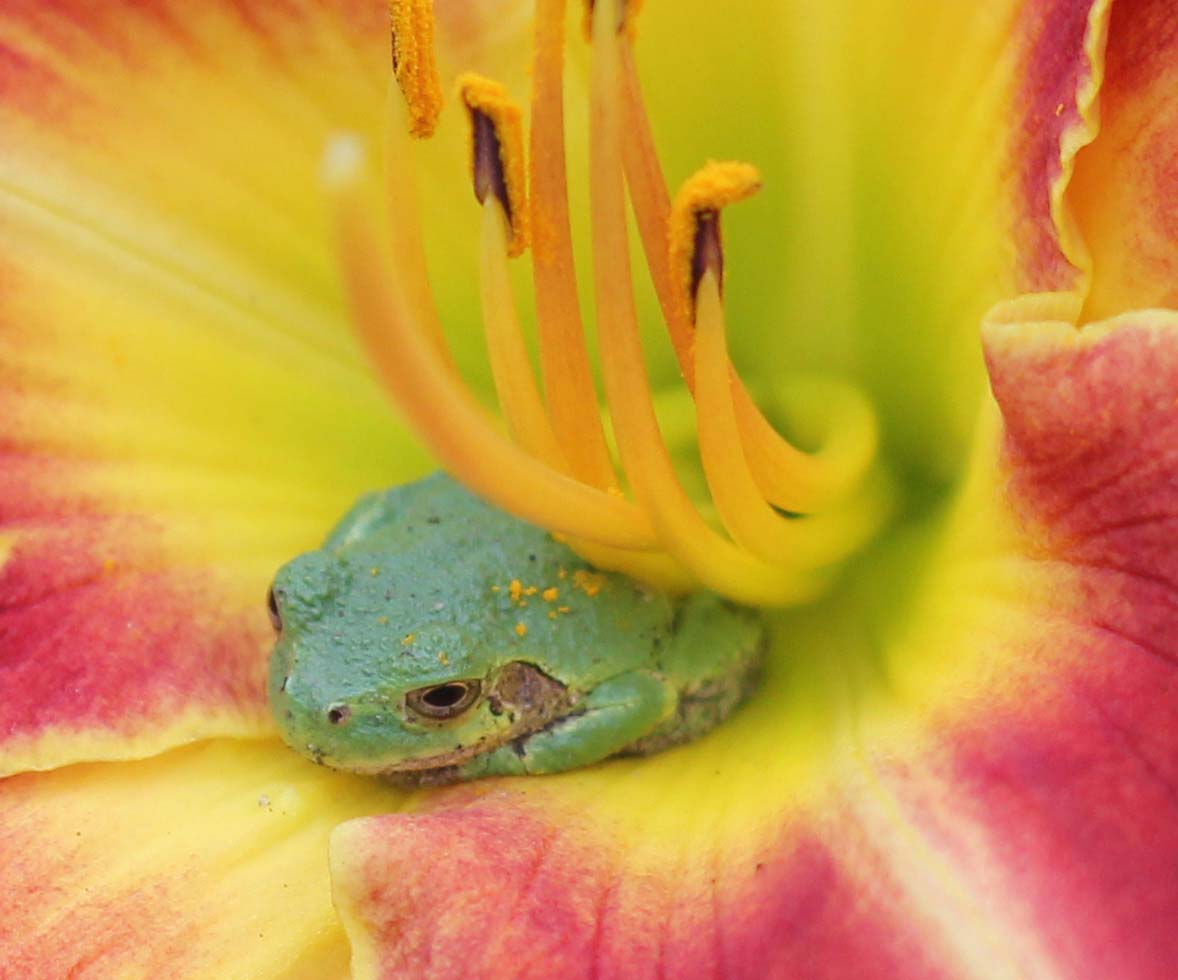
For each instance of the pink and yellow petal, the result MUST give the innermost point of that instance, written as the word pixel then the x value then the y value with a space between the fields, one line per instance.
pixel 1125 192
pixel 205 861
pixel 110 651
pixel 556 898
pixel 183 407
pixel 1058 797
pixel 1061 55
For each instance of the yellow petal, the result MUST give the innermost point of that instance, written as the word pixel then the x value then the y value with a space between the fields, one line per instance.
pixel 203 862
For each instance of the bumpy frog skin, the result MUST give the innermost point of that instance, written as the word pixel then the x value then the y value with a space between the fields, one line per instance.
pixel 435 638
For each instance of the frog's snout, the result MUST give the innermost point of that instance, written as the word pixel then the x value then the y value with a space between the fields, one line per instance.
pixel 310 726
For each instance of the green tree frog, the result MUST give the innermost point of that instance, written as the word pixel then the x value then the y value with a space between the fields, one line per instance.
pixel 435 638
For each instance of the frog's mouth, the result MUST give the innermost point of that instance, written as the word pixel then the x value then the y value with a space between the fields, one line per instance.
pixel 447 760
pixel 392 767
pixel 441 767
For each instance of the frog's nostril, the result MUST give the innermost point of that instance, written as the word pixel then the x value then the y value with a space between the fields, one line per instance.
pixel 338 714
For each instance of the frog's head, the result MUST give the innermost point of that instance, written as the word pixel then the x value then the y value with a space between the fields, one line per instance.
pixel 362 679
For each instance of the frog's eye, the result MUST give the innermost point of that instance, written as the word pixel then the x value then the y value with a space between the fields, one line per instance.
pixel 443 701
pixel 275 615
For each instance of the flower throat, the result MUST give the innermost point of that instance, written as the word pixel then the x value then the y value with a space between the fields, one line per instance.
pixel 779 520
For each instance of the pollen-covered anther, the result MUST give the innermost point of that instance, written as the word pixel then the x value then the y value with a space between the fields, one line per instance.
pixel 627 16
pixel 497 152
pixel 693 233
pixel 415 66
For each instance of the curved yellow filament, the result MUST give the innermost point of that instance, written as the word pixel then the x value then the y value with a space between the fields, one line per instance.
pixel 713 560
pixel 806 542
pixel 652 567
pixel 527 420
pixel 790 478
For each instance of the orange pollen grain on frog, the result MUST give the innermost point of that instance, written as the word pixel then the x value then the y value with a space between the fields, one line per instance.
pixel 590 583
pixel 521 629
pixel 623 510
pixel 550 594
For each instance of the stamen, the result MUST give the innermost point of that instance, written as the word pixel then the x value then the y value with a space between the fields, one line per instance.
pixel 497 152
pixel 441 409
pixel 694 231
pixel 715 562
pixel 808 542
pixel 414 64
pixel 527 420
pixel 491 113
pixel 568 379
pixel 791 479
pixel 514 382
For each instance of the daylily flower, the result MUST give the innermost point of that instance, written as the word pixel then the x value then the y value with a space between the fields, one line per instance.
pixel 961 762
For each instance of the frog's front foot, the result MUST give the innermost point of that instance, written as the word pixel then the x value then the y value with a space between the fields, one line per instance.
pixel 507 760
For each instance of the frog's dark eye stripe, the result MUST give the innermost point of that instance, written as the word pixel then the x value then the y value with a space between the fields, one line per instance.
pixel 275 615
pixel 443 701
